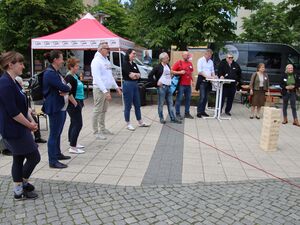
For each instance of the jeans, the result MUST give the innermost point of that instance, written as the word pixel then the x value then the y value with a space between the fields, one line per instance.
pixel 165 94
pixel 185 90
pixel 131 96
pixel 75 122
pixel 292 97
pixel 228 92
pixel 20 170
pixel 56 123
pixel 205 87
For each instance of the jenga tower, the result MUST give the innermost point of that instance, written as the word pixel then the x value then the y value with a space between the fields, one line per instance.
pixel 270 129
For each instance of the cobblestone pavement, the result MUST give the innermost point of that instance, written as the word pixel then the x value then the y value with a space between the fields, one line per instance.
pixel 248 202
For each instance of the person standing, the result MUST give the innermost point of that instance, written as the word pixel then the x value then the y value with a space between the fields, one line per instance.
pixel 184 68
pixel 290 82
pixel 55 91
pixel 16 125
pixel 131 75
pixel 75 105
pixel 205 67
pixel 259 85
pixel 229 69
pixel 161 75
pixel 103 81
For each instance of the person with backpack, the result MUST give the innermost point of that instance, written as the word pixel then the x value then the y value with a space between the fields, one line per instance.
pixel 16 125
pixel 55 91
pixel 184 68
pixel 161 77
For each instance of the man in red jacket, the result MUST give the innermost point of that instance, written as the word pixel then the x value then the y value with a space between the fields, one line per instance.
pixel 184 68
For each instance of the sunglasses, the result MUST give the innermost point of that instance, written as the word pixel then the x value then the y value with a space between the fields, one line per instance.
pixel 230 57
pixel 106 48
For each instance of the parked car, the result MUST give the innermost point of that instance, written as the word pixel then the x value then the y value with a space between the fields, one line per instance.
pixel 249 54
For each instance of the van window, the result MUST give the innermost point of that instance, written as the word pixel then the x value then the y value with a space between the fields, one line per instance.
pixel 294 59
pixel 116 58
pixel 271 60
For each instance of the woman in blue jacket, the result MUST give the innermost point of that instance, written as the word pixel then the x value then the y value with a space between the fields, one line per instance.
pixel 55 91
pixel 16 125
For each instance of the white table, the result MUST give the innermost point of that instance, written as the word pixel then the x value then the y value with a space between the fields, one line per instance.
pixel 219 92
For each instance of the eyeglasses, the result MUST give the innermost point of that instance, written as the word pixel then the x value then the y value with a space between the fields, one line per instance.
pixel 230 57
pixel 106 49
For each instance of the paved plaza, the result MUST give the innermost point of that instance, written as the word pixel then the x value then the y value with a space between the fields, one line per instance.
pixel 198 172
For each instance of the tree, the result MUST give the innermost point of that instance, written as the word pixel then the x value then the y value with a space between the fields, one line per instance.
pixel 269 24
pixel 294 19
pixel 180 22
pixel 21 20
pixel 119 17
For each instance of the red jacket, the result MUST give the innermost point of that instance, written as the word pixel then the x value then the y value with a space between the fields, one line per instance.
pixel 186 78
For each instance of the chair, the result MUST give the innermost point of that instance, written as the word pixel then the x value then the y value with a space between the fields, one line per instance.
pixel 40 113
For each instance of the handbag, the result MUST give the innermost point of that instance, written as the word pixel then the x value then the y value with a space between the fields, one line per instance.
pixel 174 84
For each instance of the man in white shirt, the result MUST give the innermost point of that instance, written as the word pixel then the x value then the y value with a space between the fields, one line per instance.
pixel 206 70
pixel 103 81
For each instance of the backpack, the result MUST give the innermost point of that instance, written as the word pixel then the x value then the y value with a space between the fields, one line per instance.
pixel 36 85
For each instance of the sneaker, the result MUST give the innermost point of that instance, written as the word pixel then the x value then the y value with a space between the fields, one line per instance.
pixel 176 121
pixel 79 146
pixel 106 131
pixel 162 121
pixel 199 115
pixel 228 113
pixel 26 195
pixel 76 151
pixel 130 127
pixel 188 116
pixel 100 137
pixel 179 117
pixel 28 187
pixel 143 124
pixel 205 114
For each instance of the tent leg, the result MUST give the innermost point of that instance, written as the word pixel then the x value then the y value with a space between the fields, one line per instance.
pixel 121 78
pixel 32 63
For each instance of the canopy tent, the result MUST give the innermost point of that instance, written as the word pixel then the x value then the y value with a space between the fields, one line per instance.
pixel 86 33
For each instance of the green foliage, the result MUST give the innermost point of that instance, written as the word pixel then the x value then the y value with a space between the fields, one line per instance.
pixel 271 23
pixel 294 19
pixel 168 22
pixel 119 16
pixel 21 20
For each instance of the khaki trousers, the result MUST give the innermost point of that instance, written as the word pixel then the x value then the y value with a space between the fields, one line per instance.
pixel 100 108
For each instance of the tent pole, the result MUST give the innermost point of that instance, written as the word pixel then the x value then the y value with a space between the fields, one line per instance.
pixel 32 64
pixel 121 77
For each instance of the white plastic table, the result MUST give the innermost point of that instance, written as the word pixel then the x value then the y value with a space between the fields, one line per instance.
pixel 219 92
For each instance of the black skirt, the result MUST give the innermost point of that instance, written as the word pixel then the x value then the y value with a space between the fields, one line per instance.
pixel 23 145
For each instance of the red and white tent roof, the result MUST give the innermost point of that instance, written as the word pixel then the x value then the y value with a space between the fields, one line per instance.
pixel 86 33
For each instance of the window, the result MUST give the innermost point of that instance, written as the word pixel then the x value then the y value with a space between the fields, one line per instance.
pixel 271 60
pixel 294 59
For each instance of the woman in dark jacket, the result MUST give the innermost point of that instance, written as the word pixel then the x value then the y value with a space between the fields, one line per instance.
pixel 259 85
pixel 131 75
pixel 75 105
pixel 160 76
pixel 16 125
pixel 290 82
pixel 55 91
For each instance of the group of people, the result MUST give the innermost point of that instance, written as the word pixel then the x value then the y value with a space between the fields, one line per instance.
pixel 65 94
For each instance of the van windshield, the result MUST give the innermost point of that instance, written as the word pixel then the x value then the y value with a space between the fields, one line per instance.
pixel 294 59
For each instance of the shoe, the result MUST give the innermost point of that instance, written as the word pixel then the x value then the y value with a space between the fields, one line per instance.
pixel 204 114
pixel 130 127
pixel 296 123
pixel 40 140
pixel 162 121
pixel 188 116
pixel 28 187
pixel 199 115
pixel 251 117
pixel 143 124
pixel 100 137
pixel 63 157
pixel 257 117
pixel 106 131
pixel 176 121
pixel 79 146
pixel 26 195
pixel 178 116
pixel 6 152
pixel 228 113
pixel 76 151
pixel 58 165
pixel 285 120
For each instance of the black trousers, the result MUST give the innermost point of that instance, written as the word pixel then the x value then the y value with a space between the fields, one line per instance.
pixel 22 170
pixel 228 94
pixel 75 122
pixel 37 134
